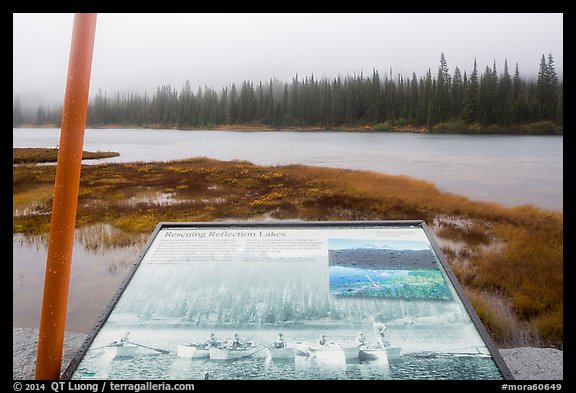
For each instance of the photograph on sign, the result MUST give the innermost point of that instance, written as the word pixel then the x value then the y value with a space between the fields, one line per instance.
pixel 292 303
pixel 389 269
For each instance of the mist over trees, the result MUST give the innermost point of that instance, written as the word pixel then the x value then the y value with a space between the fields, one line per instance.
pixel 486 100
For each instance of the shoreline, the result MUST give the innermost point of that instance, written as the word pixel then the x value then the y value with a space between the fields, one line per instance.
pixel 239 128
pixel 443 128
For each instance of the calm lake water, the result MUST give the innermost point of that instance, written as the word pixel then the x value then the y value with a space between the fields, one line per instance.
pixel 511 170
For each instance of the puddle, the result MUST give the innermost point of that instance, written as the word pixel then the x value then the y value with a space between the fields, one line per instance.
pixel 96 275
pixel 150 198
pixel 160 198
pixel 154 198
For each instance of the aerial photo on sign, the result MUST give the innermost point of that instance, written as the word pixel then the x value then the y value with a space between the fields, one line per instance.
pixel 398 269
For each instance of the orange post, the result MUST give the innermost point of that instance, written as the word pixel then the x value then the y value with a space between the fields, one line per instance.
pixel 63 221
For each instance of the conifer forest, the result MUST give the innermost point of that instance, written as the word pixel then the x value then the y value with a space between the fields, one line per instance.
pixel 488 100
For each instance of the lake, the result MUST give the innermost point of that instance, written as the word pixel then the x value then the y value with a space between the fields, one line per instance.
pixel 511 170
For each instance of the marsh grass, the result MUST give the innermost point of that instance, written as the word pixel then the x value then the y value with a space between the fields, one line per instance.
pixel 509 260
pixel 39 154
pixel 99 237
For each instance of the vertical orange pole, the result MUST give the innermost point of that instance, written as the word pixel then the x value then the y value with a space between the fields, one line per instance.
pixel 63 221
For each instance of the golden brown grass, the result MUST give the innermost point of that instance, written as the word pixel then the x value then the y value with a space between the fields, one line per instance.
pixel 40 154
pixel 509 260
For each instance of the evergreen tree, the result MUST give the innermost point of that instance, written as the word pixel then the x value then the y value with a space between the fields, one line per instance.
pixel 233 106
pixel 442 107
pixel 390 98
pixel 488 96
pixel 40 116
pixel 337 103
pixel 505 97
pixel 516 83
pixel 560 107
pixel 413 100
pixel 425 99
pixel 17 117
pixel 470 109
pixel 185 113
pixel 547 89
pixel 505 84
pixel 247 103
pixel 520 107
pixel 401 100
pixel 224 108
pixel 457 94
pixel 432 112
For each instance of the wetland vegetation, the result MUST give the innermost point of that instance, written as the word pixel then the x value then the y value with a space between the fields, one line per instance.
pixel 41 154
pixel 509 260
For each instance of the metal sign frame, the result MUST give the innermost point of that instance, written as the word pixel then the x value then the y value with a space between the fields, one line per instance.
pixel 308 225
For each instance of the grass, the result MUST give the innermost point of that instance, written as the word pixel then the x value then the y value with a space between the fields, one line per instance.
pixel 40 154
pixel 509 260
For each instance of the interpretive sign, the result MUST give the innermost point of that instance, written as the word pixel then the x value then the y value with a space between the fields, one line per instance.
pixel 290 300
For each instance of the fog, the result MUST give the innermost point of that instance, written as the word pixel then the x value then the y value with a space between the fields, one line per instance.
pixel 139 52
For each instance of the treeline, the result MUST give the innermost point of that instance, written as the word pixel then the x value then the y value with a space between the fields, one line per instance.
pixel 488 101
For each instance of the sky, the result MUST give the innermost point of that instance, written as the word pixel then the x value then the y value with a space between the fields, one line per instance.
pixel 137 52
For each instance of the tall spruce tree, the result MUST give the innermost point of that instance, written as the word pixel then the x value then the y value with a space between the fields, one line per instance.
pixel 442 107
pixel 547 89
pixel 456 94
pixel 470 107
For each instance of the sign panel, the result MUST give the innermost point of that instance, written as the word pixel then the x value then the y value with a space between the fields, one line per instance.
pixel 291 301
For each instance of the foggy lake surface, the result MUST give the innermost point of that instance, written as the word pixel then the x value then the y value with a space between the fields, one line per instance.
pixel 511 170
